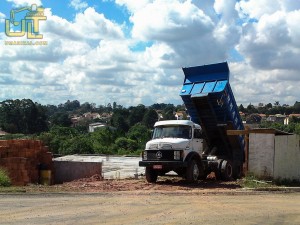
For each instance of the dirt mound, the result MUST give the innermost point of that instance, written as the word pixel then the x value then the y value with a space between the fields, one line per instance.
pixel 97 184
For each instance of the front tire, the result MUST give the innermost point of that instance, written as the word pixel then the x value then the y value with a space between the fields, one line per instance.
pixel 192 171
pixel 151 175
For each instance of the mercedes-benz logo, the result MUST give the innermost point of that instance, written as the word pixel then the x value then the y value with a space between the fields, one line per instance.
pixel 158 154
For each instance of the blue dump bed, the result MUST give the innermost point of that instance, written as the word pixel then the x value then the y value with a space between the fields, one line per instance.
pixel 209 100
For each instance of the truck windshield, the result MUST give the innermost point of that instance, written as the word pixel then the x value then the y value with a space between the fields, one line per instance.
pixel 181 131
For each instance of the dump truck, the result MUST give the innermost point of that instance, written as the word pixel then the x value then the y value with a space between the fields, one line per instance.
pixel 194 148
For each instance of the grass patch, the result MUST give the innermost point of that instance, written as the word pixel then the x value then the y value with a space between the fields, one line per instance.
pixel 12 189
pixel 4 178
pixel 251 181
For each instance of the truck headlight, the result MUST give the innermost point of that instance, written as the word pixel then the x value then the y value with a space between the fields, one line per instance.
pixel 145 155
pixel 177 155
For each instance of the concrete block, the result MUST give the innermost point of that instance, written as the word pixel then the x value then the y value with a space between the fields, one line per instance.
pixel 66 171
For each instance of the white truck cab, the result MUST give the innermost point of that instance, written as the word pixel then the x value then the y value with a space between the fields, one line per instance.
pixel 176 145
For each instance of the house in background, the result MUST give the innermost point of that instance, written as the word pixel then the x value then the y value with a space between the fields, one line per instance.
pixel 288 119
pixel 93 126
pixel 91 116
pixel 278 118
pixel 2 133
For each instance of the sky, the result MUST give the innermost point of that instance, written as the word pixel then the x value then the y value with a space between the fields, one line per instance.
pixel 132 51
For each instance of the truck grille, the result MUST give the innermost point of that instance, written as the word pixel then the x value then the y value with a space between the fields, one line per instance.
pixel 160 155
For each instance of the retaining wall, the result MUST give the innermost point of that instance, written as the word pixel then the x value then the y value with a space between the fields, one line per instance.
pixel 66 171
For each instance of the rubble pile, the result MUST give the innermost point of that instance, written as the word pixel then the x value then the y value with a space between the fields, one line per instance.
pixel 24 160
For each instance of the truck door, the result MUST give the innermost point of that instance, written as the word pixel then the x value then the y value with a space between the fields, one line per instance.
pixel 197 140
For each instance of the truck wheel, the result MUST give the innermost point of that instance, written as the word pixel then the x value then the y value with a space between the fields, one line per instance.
pixel 226 170
pixel 237 173
pixel 218 170
pixel 151 175
pixel 192 171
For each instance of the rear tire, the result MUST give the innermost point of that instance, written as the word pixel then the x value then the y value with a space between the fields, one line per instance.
pixel 151 175
pixel 218 174
pixel 226 170
pixel 237 172
pixel 192 172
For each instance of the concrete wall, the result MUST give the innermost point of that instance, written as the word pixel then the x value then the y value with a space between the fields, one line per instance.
pixel 287 157
pixel 261 154
pixel 69 170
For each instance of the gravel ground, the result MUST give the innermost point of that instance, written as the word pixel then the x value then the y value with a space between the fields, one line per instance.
pixel 151 207
pixel 170 201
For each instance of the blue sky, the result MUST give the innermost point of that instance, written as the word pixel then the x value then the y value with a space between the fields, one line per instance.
pixel 132 52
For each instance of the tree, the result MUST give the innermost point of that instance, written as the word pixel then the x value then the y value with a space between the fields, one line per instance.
pixel 22 116
pixel 114 105
pixel 168 112
pixel 297 107
pixel 119 119
pixel 78 145
pixel 72 105
pixel 241 108
pixel 136 114
pixel 269 106
pixel 103 140
pixel 150 118
pixel 61 119
pixel 251 109
pixel 139 133
pixel 59 138
pixel 127 144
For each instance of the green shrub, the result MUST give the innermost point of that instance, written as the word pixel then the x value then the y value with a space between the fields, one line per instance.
pixel 4 178
pixel 251 181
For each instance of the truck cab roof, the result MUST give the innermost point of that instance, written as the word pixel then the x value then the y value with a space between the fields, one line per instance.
pixel 177 122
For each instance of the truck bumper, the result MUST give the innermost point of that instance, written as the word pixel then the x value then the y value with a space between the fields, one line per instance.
pixel 169 164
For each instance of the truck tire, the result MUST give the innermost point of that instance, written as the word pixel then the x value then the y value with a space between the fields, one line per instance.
pixel 226 170
pixel 192 171
pixel 217 171
pixel 151 175
pixel 237 172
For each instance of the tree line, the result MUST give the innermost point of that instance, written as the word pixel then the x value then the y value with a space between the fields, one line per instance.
pixel 271 109
pixel 127 130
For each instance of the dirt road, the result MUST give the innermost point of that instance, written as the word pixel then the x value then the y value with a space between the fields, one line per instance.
pixel 140 207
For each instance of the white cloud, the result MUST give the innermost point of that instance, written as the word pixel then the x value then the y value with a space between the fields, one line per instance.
pixel 252 85
pixel 2 17
pixel 170 21
pixel 88 25
pixel 256 9
pixel 133 5
pixel 226 8
pixel 18 3
pixel 78 4
pixel 95 26
pixel 272 42
pixel 91 58
pixel 186 29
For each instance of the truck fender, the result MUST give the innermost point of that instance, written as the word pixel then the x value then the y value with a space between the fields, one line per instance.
pixel 193 155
